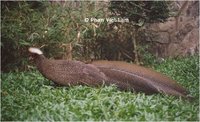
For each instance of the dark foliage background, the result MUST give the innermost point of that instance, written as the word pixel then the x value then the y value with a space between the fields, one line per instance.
pixel 59 29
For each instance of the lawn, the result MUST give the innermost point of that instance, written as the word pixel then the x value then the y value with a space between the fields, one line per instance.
pixel 29 96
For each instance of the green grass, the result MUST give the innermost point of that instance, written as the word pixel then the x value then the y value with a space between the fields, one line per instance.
pixel 29 96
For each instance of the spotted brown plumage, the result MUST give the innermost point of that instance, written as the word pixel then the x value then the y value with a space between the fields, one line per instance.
pixel 67 73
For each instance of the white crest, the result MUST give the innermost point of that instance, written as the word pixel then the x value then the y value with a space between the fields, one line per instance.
pixel 35 50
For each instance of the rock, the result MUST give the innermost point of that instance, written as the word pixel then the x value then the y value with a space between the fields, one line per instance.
pixel 179 39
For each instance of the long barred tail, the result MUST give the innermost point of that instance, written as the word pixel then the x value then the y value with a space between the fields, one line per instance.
pixel 136 78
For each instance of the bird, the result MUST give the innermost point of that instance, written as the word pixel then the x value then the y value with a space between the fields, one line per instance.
pixel 136 78
pixel 67 72
pixel 126 76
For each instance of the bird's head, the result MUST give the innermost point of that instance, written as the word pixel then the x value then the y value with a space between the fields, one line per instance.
pixel 35 52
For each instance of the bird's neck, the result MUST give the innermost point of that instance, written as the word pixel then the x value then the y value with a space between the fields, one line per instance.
pixel 39 60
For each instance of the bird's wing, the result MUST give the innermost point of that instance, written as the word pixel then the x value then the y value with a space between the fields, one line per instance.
pixel 93 75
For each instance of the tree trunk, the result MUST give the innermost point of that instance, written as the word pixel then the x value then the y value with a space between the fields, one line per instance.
pixel 68 54
pixel 134 35
pixel 179 13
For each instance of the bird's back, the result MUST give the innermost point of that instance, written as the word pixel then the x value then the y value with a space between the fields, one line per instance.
pixel 65 72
